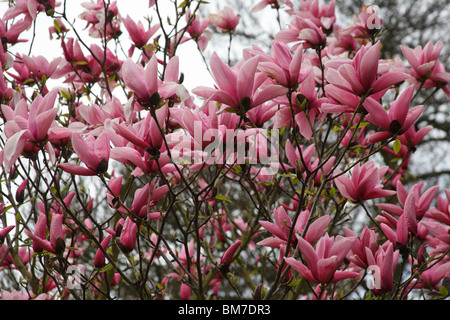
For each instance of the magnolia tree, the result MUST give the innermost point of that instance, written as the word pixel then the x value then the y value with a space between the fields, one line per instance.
pixel 119 182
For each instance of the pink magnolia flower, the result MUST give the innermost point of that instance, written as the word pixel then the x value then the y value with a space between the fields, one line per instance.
pixel 384 261
pixel 432 276
pixel 303 32
pixel 364 183
pixel 4 232
pixel 367 24
pixel 412 137
pixel 399 119
pixel 146 198
pixel 283 66
pixel 426 70
pixel 227 257
pixel 441 211
pixel 97 16
pixel 11 34
pixel 73 53
pixel 99 259
pixel 7 260
pixel 306 105
pixel 310 163
pixel 113 193
pixel 143 161
pixel 138 34
pixel 358 78
pixel 40 67
pixel 274 4
pixel 282 224
pixel 197 29
pixel 19 295
pixel 148 88
pixel 225 20
pixel 238 87
pixel 93 152
pixel 59 28
pixel 56 244
pixel 146 133
pixel 128 235
pixel 366 241
pixel 406 223
pixel 20 192
pixel 27 129
pixel 30 8
pixel 413 208
pixel 422 60
pixel 422 200
pixel 323 16
pixel 323 262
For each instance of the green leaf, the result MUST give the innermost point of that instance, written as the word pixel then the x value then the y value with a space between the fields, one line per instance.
pixel 107 267
pixel 397 146
pixel 294 283
pixel 221 197
pixel 57 26
pixel 443 290
pixel 65 95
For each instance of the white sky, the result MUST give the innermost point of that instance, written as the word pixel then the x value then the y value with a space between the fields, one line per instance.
pixel 191 63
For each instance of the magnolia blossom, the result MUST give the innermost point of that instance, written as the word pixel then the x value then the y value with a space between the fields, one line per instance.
pixel 241 88
pixel 225 20
pixel 364 183
pixel 324 261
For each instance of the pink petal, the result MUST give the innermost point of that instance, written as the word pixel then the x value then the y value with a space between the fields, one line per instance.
pixel 13 148
pixel 368 67
pixel 245 78
pixel 76 170
pixel 268 93
pixel 387 80
pixel 300 268
pixel 224 76
pixel 83 152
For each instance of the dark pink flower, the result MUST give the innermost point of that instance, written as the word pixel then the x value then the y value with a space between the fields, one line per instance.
pixel 364 183
pixel 324 261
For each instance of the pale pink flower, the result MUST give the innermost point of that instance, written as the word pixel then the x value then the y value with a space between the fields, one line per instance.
pixel 323 16
pixel 274 4
pixel 197 29
pixel 241 88
pixel 304 32
pixel 25 128
pixel 93 152
pixel 138 34
pixel 225 20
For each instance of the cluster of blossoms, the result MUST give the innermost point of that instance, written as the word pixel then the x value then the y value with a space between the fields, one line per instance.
pixel 164 228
